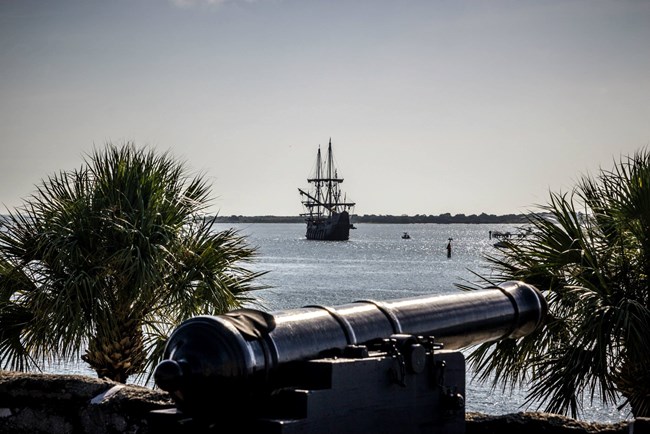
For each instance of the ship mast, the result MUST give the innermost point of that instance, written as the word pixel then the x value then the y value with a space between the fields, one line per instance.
pixel 318 185
pixel 329 175
pixel 325 178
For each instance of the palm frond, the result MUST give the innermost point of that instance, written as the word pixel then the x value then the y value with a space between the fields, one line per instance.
pixel 109 249
pixel 589 253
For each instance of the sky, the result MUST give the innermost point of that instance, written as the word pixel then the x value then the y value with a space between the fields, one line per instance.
pixel 432 106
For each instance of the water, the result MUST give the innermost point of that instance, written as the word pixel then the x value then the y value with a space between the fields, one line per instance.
pixel 376 263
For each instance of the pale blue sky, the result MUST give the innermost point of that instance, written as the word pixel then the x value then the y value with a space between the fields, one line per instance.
pixel 432 106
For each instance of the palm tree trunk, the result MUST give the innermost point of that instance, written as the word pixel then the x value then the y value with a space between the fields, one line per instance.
pixel 633 382
pixel 116 352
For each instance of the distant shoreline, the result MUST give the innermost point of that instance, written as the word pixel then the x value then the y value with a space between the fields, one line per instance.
pixel 401 219
pixel 372 218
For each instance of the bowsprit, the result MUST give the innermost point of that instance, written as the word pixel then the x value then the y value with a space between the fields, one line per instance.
pixel 390 366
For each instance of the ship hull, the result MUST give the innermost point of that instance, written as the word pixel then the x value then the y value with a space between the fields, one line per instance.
pixel 334 228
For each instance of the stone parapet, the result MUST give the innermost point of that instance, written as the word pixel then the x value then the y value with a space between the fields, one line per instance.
pixel 65 404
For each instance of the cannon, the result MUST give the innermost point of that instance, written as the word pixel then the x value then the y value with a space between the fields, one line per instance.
pixel 392 366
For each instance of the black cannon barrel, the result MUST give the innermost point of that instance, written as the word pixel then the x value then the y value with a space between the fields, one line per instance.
pixel 227 351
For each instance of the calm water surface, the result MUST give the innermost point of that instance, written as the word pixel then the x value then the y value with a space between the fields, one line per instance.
pixel 375 263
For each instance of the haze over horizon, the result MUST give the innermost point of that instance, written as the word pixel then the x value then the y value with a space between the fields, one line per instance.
pixel 433 107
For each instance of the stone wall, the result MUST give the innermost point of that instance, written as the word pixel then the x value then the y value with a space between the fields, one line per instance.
pixel 58 404
pixel 66 404
pixel 538 423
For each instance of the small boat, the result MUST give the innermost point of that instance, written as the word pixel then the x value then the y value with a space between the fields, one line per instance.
pixel 406 236
pixel 506 239
pixel 327 212
pixel 502 237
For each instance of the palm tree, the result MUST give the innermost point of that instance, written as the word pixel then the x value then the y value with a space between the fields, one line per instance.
pixel 589 252
pixel 107 259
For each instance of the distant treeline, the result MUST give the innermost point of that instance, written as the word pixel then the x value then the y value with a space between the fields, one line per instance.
pixel 402 219
pixel 373 218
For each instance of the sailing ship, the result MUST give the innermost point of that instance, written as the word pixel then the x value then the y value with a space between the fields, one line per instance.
pixel 327 211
